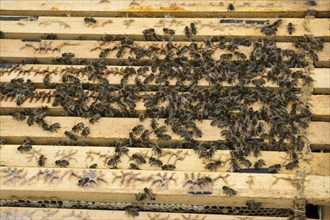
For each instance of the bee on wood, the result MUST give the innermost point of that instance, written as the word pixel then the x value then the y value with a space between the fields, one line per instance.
pixel 187 32
pixel 142 117
pixel 119 150
pixel 138 158
pixel 168 167
pixel 292 165
pixel 168 31
pixel 46 80
pixel 62 163
pixel 156 149
pixel 229 191
pixel 25 147
pixel 132 211
pixel 134 166
pixel 274 169
pixel 193 28
pixel 149 194
pixel 71 135
pixel 114 161
pixel 83 181
pixel 311 3
pixel 290 28
pixel 259 164
pixel 251 204
pixel 85 132
pixel 231 7
pixel 138 129
pixel 50 36
pixel 95 118
pixel 213 165
pixel 155 162
pixel 54 127
pixel 78 127
pixel 19 116
pixel 41 161
pixel 149 79
pixel 93 166
pixel 90 20
pixel 140 196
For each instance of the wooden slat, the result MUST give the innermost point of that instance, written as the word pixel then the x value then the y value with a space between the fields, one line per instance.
pixel 319 105
pixel 86 50
pixel 111 129
pixel 78 214
pixel 325 212
pixel 84 156
pixel 276 191
pixel 70 28
pixel 191 8
pixel 114 74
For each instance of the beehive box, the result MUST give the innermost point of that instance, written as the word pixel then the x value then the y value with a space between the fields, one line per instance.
pixel 58 45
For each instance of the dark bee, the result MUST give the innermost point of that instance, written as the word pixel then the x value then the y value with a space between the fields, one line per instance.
pixel 89 20
pixel 231 7
pixel 168 167
pixel 46 80
pixel 138 158
pixel 157 149
pixel 94 118
pixel 292 164
pixel 25 147
pixel 193 28
pixel 41 161
pixel 149 78
pixel 19 116
pixel 50 36
pixel 213 165
pixel 132 211
pixel 311 3
pixel 251 204
pixel 274 169
pixel 150 195
pixel 119 150
pixel 83 181
pixel 259 164
pixel 168 31
pixel 290 28
pixel 114 161
pixel 54 127
pixel 229 191
pixel 155 162
pixel 138 129
pixel 78 127
pixel 93 166
pixel 142 117
pixel 134 166
pixel 85 132
pixel 62 163
pixel 71 135
pixel 140 196
pixel 187 32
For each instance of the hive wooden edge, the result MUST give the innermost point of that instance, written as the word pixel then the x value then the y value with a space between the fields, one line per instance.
pixel 319 105
pixel 90 50
pixel 37 72
pixel 108 130
pixel 180 8
pixel 57 213
pixel 188 160
pixel 325 212
pixel 70 28
pixel 273 191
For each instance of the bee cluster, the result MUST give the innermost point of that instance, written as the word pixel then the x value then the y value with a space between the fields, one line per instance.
pixel 177 70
